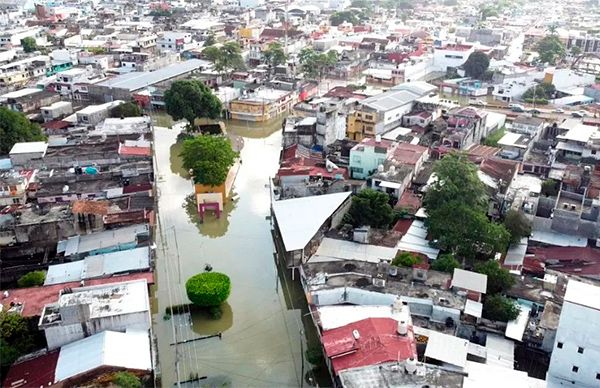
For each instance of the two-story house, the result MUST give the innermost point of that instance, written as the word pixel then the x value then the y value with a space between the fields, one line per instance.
pixel 368 155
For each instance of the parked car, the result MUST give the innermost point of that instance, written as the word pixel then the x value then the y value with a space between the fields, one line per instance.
pixel 478 102
pixel 580 114
pixel 558 110
pixel 535 111
pixel 517 108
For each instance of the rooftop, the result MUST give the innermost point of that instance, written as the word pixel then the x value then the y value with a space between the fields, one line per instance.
pixel 101 240
pixel 29 147
pixel 34 299
pixel 468 280
pixel 392 375
pixel 583 294
pixel 103 300
pixel 368 342
pixel 299 219
pixel 137 80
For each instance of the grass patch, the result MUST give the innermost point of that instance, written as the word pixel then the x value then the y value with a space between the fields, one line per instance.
pixel 493 138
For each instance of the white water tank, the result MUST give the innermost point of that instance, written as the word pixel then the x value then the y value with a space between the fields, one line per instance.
pixel 410 366
pixel 378 138
pixel 356 334
pixel 402 328
pixel 380 168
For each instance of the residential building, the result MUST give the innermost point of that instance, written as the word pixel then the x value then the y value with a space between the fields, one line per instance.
pixel 574 360
pixel 95 114
pixel 22 154
pixel 13 186
pixel 85 360
pixel 368 155
pixel 384 111
pixel 13 38
pixel 176 41
pixel 465 126
pixel 261 105
pixel 451 56
pixel 86 311
pixel 528 125
pixel 57 110
pixel 28 100
pixel 19 72
pixel 108 241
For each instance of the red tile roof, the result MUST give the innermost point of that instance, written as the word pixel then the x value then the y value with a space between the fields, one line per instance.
pixel 134 151
pixel 371 141
pixel 56 124
pixel 402 226
pixel 34 298
pixel 499 168
pixel 378 342
pixel 571 260
pixel 407 153
pixel 35 372
pixel 91 207
pixel 409 201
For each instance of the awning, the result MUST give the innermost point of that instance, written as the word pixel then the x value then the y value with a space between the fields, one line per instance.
pixel 390 185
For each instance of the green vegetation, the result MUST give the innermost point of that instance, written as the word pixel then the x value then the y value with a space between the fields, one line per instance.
pixel 29 44
pixel 406 259
pixel 398 5
pixel 127 109
pixel 494 137
pixel 274 54
pixel 208 289
pixel 126 380
pixel 97 50
pixel 32 279
pixel 314 64
pixel 550 188
pixel 456 206
pixel 372 208
pixel 209 158
pixel 191 99
pixel 210 40
pixel 498 279
pixel 477 64
pixel 351 16
pixel 16 128
pixel 226 58
pixel 576 51
pixel 15 338
pixel 517 225
pixel 550 49
pixel 500 308
pixel 445 263
pixel 540 93
pixel 314 354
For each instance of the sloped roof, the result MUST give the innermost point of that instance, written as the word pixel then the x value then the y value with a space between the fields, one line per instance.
pixel 300 218
pixel 447 348
pixel 129 350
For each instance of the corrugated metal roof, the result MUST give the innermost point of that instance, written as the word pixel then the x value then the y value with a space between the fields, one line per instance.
pixel 138 80
pixel 64 273
pixel 469 280
pixel 447 348
pixel 129 350
pixel 105 239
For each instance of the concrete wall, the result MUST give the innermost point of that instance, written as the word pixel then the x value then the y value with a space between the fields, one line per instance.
pixel 578 327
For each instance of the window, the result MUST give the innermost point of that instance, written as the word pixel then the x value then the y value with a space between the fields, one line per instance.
pixel 597 376
pixel 593 152
pixel 580 350
pixel 559 345
pixel 575 369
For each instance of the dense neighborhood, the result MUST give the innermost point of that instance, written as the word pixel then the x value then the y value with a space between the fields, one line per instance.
pixel 338 193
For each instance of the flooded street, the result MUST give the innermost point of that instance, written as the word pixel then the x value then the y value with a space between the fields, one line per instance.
pixel 262 336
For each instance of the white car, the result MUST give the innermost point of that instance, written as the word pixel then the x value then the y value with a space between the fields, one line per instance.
pixel 580 114
pixel 478 102
pixel 558 110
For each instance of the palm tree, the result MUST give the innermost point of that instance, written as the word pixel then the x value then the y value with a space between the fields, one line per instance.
pixel 552 28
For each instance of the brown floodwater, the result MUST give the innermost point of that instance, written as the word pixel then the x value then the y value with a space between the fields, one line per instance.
pixel 264 324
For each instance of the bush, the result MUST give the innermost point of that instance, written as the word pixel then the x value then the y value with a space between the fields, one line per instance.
pixel 493 138
pixel 370 207
pixel 32 279
pixel 445 263
pixel 498 279
pixel 550 188
pixel 539 101
pixel 127 109
pixel 500 308
pixel 517 225
pixel 314 355
pixel 208 289
pixel 126 380
pixel 406 259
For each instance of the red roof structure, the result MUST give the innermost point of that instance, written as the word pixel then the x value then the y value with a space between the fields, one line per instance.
pixel 407 153
pixel 35 372
pixel 582 261
pixel 35 298
pixel 135 151
pixel 370 341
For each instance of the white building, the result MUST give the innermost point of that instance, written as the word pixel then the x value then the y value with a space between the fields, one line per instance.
pixel 176 41
pixel 575 358
pixel 85 311
pixel 451 56
pixel 57 110
pixel 94 114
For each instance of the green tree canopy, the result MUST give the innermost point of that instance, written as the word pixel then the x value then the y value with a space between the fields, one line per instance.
pixel 127 109
pixel 456 206
pixel 210 40
pixel 191 99
pixel 16 128
pixel 32 279
pixel 274 54
pixel 314 64
pixel 499 308
pixel 517 225
pixel 445 263
pixel 340 17
pixel 498 279
pixel 209 157
pixel 208 289
pixel 550 49
pixel 372 208
pixel 126 380
pixel 15 337
pixel 406 259
pixel 477 64
pixel 226 58
pixel 29 44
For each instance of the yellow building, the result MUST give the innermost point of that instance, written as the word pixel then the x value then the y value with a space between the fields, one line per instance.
pixel 261 105
pixel 361 124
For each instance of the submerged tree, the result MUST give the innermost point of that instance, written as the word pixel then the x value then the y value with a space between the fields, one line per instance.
pixel 209 158
pixel 208 289
pixel 191 99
